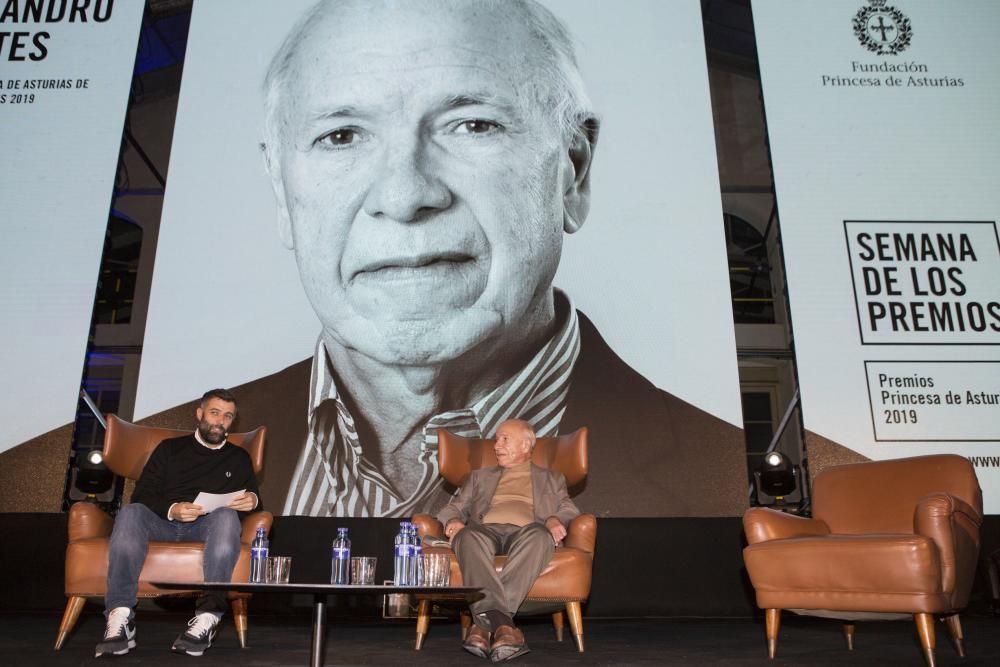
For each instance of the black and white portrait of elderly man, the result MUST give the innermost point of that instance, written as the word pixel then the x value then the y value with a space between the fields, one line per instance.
pixel 428 159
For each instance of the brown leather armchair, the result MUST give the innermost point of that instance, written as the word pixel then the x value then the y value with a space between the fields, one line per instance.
pixel 126 449
pixel 887 539
pixel 565 582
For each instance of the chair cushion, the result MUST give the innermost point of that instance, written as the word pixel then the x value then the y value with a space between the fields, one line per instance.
pixel 874 572
pixel 87 566
pixel 566 578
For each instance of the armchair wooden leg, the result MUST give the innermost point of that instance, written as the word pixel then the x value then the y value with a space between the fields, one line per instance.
pixel 423 622
pixel 849 635
pixel 772 623
pixel 925 628
pixel 955 630
pixel 72 613
pixel 575 614
pixel 466 619
pixel 558 620
pixel 239 607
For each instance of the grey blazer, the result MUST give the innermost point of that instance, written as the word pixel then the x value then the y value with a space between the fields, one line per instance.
pixel 472 501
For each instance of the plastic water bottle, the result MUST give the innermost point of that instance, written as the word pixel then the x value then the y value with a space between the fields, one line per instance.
pixel 258 556
pixel 416 550
pixel 340 558
pixel 401 556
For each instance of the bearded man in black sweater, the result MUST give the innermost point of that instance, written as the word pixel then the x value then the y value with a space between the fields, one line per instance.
pixel 162 510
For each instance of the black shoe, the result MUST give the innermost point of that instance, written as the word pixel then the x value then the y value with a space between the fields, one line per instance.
pixel 119 633
pixel 199 635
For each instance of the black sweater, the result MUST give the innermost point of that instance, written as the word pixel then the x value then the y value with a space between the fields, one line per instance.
pixel 180 468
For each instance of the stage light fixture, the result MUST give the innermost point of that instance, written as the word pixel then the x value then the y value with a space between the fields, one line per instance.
pixel 91 476
pixel 777 481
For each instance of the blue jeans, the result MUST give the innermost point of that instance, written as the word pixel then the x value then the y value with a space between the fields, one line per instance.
pixel 136 526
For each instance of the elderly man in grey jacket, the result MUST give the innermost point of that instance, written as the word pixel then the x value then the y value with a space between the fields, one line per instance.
pixel 515 509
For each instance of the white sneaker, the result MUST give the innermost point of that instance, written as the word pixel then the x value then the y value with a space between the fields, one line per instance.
pixel 119 633
pixel 199 635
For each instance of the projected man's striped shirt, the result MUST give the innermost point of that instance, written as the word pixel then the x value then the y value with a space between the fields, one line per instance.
pixel 333 477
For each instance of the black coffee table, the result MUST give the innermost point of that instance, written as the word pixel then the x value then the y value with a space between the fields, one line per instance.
pixel 320 593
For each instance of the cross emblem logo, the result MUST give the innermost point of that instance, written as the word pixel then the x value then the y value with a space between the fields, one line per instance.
pixel 882 29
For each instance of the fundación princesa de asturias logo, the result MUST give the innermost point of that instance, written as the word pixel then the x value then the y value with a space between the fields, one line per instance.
pixel 882 29
pixel 885 31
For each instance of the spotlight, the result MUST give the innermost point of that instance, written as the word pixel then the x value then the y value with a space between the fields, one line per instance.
pixel 90 476
pixel 777 481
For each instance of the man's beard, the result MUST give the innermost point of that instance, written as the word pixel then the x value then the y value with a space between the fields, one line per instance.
pixel 213 435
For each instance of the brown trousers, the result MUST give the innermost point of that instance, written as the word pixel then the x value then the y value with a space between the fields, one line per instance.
pixel 528 549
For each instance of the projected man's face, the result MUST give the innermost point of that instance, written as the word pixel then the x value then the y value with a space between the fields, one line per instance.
pixel 422 193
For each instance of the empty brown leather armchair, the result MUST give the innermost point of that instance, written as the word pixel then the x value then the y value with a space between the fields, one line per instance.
pixel 886 539
pixel 126 449
pixel 564 584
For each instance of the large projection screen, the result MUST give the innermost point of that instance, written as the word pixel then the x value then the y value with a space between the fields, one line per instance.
pixel 648 267
pixel 884 121
pixel 64 82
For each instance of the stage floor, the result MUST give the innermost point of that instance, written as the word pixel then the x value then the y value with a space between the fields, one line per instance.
pixel 26 639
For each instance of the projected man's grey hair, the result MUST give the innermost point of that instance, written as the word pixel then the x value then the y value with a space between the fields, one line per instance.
pixel 552 86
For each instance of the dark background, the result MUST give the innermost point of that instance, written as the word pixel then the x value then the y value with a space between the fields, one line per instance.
pixel 671 567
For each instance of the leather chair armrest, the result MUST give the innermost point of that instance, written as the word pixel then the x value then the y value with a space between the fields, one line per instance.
pixel 762 524
pixel 252 522
pixel 954 526
pixel 944 504
pixel 582 533
pixel 428 525
pixel 87 520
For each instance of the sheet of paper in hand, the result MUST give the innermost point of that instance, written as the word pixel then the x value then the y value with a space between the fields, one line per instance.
pixel 213 501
